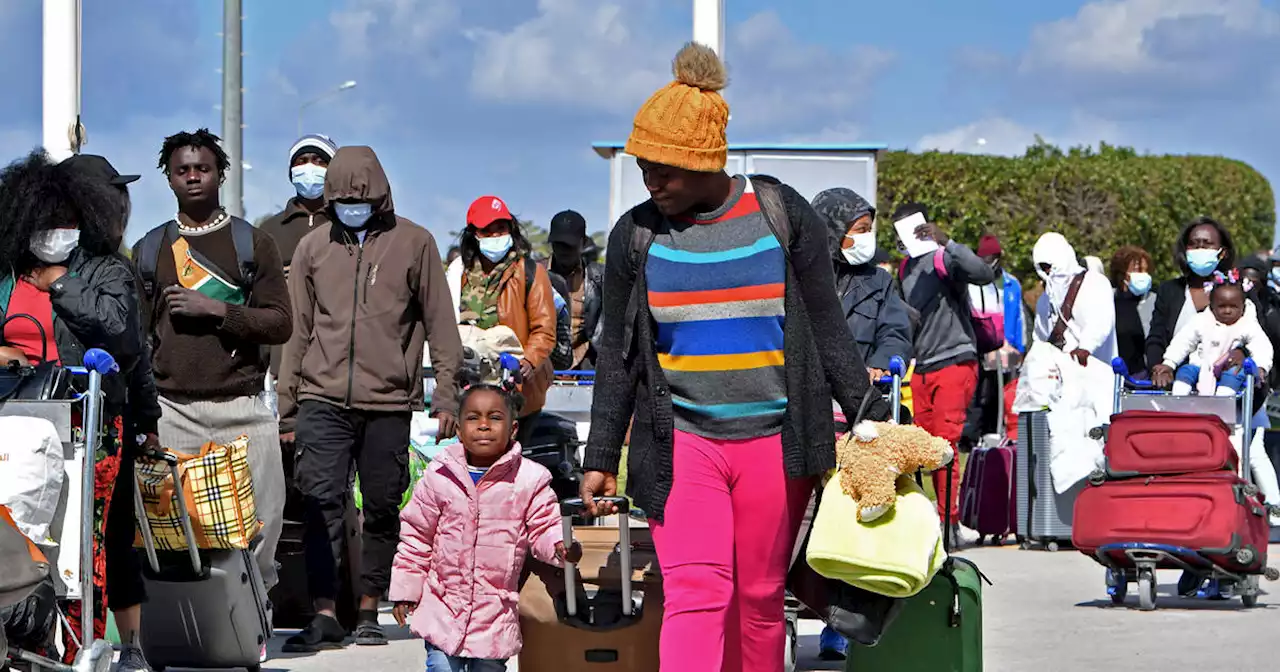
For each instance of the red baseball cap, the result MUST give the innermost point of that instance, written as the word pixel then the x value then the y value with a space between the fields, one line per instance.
pixel 487 210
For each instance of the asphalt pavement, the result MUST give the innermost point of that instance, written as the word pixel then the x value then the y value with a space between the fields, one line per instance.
pixel 1046 612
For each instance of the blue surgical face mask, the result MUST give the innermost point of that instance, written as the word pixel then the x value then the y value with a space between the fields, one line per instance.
pixel 495 248
pixel 308 179
pixel 1139 283
pixel 353 215
pixel 1203 262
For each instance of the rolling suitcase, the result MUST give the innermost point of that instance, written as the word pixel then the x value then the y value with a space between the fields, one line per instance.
pixel 565 628
pixel 1149 443
pixel 1043 515
pixel 205 609
pixel 1216 514
pixel 987 489
pixel 937 630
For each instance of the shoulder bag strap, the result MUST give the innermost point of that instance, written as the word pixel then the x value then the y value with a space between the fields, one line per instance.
pixel 1068 308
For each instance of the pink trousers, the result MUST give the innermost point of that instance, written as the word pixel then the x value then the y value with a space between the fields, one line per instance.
pixel 725 545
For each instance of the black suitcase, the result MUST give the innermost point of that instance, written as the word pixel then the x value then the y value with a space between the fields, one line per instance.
pixel 552 441
pixel 291 605
pixel 206 609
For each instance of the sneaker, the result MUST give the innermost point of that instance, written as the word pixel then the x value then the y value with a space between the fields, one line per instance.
pixel 323 632
pixel 132 660
pixel 370 633
pixel 262 653
pixel 831 645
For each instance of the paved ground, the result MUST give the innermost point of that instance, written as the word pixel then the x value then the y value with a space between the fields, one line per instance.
pixel 1047 612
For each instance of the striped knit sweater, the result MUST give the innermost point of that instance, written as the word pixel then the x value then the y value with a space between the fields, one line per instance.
pixel 716 289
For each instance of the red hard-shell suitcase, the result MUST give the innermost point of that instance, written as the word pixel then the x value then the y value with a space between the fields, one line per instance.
pixel 1216 514
pixel 1141 443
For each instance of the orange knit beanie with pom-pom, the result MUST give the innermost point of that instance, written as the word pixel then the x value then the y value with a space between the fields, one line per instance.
pixel 683 123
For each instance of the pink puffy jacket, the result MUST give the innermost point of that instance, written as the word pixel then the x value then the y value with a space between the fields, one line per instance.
pixel 462 546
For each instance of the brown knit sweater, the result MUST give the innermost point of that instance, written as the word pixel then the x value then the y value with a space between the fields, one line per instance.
pixel 206 358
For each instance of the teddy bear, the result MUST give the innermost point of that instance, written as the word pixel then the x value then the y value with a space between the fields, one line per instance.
pixel 875 454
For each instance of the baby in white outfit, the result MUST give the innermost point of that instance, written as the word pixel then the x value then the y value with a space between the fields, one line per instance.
pixel 1207 343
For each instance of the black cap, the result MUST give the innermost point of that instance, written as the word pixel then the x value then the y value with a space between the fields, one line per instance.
pixel 568 227
pixel 98 168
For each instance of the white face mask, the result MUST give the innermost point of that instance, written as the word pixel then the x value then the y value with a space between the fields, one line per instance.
pixel 55 245
pixel 353 215
pixel 308 180
pixel 863 250
pixel 495 248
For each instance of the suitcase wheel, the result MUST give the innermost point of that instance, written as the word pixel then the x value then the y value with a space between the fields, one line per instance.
pixel 1147 590
pixel 1052 547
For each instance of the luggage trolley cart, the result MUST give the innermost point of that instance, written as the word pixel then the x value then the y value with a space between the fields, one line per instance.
pixel 793 608
pixel 1137 561
pixel 80 448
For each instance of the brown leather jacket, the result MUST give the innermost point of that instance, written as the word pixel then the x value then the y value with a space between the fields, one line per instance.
pixel 532 318
pixel 362 310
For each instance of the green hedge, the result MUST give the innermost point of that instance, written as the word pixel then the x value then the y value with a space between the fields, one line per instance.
pixel 1099 199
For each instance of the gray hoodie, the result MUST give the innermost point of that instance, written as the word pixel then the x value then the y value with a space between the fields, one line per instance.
pixel 945 335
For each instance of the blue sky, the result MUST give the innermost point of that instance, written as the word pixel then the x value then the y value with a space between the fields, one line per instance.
pixel 461 99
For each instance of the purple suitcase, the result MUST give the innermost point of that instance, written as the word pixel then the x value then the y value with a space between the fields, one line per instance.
pixel 987 489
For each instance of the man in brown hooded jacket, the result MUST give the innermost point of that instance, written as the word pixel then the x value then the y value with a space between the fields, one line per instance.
pixel 368 289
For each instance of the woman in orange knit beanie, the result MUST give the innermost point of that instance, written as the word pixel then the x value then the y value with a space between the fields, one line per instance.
pixel 724 339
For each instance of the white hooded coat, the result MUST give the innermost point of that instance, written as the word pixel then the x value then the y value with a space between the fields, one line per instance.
pixel 1092 326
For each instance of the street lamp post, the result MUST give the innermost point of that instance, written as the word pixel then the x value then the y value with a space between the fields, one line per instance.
pixel 349 84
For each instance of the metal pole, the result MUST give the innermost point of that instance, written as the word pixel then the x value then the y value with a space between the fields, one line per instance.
pixel 61 85
pixel 708 24
pixel 92 433
pixel 233 107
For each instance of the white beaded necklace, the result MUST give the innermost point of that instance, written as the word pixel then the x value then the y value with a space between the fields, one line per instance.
pixel 221 218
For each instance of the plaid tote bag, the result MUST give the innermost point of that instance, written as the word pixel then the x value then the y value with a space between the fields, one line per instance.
pixel 218 490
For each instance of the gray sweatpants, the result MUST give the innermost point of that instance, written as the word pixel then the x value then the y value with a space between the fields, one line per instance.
pixel 186 427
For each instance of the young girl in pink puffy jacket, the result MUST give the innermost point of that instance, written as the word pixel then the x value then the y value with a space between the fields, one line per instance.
pixel 478 509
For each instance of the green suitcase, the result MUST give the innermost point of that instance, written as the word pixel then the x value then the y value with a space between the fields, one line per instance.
pixel 938 629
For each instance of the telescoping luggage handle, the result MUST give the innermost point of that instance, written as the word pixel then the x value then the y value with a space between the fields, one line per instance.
pixel 897 369
pixel 574 506
pixel 1145 387
pixel 97 363
pixel 144 525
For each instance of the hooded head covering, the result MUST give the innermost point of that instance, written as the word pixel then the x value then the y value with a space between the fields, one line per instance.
pixel 356 174
pixel 840 207
pixel 1054 250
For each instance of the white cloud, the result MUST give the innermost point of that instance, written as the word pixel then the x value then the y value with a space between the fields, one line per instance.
pixel 604 56
pixel 366 29
pixel 1005 137
pixel 1141 37
pixel 597 54
pixel 776 80
pixel 995 135
pixel 836 133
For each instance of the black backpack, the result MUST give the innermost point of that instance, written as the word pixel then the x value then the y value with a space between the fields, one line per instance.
pixel 149 254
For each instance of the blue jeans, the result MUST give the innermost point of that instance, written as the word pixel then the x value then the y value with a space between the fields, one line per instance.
pixel 439 661
pixel 1232 378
